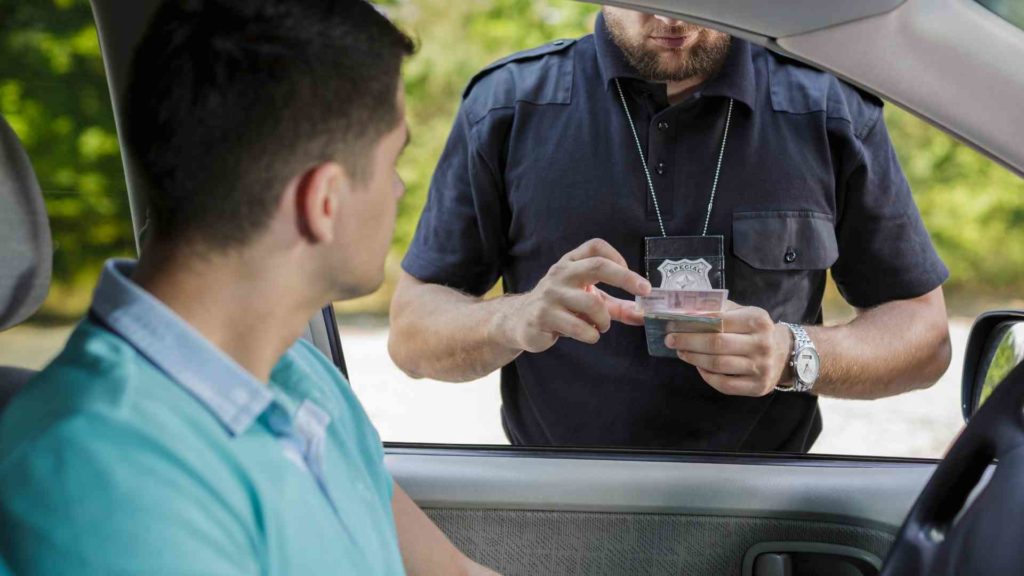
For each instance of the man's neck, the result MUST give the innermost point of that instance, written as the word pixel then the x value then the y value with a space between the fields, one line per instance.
pixel 253 313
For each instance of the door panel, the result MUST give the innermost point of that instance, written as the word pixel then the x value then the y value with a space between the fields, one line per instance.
pixel 562 513
pixel 593 543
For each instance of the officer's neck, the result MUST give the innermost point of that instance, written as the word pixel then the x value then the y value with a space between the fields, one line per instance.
pixel 678 91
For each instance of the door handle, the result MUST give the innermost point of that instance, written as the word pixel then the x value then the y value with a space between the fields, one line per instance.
pixel 809 559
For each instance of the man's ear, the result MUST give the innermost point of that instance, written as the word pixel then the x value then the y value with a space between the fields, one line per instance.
pixel 318 200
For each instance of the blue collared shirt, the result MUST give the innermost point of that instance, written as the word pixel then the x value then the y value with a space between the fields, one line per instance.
pixel 226 389
pixel 144 448
pixel 542 158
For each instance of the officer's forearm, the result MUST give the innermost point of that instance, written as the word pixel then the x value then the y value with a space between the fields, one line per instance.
pixel 893 348
pixel 438 332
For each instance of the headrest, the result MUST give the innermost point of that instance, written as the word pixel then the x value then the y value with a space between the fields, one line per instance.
pixel 26 253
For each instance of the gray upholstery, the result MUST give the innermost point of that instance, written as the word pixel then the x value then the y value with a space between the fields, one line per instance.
pixel 26 253
pixel 531 542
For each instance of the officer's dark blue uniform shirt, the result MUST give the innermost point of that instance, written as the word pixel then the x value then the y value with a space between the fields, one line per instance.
pixel 541 158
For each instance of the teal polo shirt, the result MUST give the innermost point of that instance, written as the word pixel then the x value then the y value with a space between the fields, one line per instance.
pixel 144 449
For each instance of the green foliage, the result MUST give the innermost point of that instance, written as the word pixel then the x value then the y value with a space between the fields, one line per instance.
pixel 53 91
pixel 54 94
pixel 1008 355
pixel 457 39
pixel 973 207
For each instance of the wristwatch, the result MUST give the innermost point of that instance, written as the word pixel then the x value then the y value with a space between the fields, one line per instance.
pixel 805 361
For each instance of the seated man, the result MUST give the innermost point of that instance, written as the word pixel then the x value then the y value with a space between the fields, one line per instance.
pixel 185 429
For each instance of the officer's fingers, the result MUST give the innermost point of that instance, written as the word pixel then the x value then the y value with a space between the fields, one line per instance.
pixel 566 323
pixel 718 343
pixel 747 320
pixel 731 385
pixel 598 269
pixel 588 305
pixel 730 305
pixel 596 247
pixel 624 311
pixel 724 365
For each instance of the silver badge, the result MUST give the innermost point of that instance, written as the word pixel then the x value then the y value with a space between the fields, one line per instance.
pixel 685 274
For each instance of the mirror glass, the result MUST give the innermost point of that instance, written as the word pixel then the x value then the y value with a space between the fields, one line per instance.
pixel 1004 352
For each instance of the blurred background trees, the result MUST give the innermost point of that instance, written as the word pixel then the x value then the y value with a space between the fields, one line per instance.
pixel 54 94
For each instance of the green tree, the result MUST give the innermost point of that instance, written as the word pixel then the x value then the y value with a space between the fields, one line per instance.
pixel 456 40
pixel 973 207
pixel 54 94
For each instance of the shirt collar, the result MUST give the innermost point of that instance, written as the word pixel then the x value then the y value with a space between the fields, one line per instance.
pixel 230 392
pixel 735 80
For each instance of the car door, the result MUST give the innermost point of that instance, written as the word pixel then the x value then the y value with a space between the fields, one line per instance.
pixel 606 512
pixel 567 511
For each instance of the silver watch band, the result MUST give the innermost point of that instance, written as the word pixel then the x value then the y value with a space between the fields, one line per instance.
pixel 801 340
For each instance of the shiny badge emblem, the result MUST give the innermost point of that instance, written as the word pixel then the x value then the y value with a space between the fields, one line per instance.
pixel 685 274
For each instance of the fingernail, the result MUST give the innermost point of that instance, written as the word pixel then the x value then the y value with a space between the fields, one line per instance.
pixel 644 287
pixel 669 341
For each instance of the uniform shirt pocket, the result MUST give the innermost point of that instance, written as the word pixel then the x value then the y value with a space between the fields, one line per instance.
pixel 779 261
pixel 785 240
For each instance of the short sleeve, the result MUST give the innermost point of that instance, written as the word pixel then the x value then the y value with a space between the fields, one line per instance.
pixel 91 497
pixel 460 239
pixel 885 252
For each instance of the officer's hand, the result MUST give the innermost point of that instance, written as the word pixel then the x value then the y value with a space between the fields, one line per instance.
pixel 566 301
pixel 749 358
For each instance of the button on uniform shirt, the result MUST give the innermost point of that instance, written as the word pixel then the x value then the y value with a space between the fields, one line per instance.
pixel 143 449
pixel 541 158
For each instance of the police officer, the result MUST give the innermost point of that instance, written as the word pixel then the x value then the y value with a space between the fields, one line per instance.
pixel 582 172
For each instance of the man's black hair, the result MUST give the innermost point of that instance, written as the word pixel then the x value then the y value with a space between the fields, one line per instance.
pixel 228 100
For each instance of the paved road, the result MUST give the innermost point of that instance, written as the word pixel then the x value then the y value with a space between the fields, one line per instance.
pixel 914 424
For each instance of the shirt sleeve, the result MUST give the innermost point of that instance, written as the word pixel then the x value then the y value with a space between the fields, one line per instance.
pixel 885 252
pixel 89 497
pixel 461 235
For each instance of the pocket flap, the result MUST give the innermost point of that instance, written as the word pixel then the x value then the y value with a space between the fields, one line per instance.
pixel 795 240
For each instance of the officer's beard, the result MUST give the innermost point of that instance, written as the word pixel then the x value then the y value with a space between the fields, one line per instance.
pixel 702 60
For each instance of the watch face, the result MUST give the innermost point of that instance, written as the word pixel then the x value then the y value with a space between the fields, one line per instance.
pixel 807 365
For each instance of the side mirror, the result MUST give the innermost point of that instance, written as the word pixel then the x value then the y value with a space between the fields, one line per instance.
pixel 994 349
